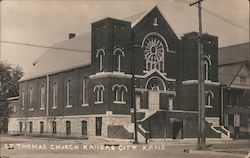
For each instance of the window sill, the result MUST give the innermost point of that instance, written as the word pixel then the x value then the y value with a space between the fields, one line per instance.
pixel 69 106
pixel 98 102
pixel 83 105
pixel 31 109
pixel 119 102
pixel 209 107
pixel 42 108
pixel 54 107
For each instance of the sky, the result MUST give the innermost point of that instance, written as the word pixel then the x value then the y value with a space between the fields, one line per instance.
pixel 46 22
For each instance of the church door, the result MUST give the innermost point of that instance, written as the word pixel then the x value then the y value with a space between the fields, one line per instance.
pixel 154 98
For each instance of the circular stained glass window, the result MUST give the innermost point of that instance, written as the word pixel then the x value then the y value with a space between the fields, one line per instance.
pixel 154 53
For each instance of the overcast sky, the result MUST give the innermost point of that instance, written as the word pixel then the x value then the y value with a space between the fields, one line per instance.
pixel 45 22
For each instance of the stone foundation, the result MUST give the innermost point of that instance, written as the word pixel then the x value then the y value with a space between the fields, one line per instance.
pixel 76 124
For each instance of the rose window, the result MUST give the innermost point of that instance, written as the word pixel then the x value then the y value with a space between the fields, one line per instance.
pixel 154 53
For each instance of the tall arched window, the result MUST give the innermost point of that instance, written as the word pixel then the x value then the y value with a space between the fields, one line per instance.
pixel 208 101
pixel 206 68
pixel 119 92
pixel 31 97
pixel 42 91
pixel 20 127
pixel 54 127
pixel 100 55
pixel 84 94
pixel 118 59
pixel 31 127
pixel 23 97
pixel 68 127
pixel 207 63
pixel 99 90
pixel 55 92
pixel 84 128
pixel 68 94
pixel 123 90
pixel 41 127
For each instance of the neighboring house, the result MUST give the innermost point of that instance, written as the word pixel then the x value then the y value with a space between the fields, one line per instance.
pixel 234 76
pixel 88 88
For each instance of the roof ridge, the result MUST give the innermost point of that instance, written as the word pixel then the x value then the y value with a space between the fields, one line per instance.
pixel 135 14
pixel 235 45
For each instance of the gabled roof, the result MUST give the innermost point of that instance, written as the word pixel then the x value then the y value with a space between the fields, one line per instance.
pixel 228 73
pixel 58 60
pixel 234 54
pixel 232 60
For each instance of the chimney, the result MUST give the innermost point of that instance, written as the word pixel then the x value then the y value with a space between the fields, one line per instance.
pixel 72 35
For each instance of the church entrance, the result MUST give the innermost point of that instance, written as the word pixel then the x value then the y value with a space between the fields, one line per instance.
pixel 155 86
pixel 153 100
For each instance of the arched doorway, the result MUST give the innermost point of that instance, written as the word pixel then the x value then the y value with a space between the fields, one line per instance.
pixel 154 85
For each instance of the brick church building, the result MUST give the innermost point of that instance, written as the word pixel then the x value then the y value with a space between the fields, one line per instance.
pixel 86 84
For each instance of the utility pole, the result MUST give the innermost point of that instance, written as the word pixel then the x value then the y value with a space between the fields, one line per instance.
pixel 201 84
pixel 133 96
pixel 249 29
pixel 0 31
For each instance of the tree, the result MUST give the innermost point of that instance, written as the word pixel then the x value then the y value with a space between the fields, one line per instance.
pixel 9 76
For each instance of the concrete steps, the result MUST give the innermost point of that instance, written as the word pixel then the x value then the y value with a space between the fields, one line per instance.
pixel 215 125
pixel 130 129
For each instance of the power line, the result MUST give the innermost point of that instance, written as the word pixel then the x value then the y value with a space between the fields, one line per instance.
pixel 225 19
pixel 42 46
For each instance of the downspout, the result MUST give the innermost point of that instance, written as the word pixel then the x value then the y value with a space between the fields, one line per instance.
pixel 47 105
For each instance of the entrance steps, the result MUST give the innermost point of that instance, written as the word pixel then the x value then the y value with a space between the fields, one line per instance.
pixel 130 129
pixel 215 126
pixel 147 112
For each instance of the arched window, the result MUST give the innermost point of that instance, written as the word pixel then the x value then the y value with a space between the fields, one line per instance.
pixel 54 127
pixel 119 92
pixel 208 101
pixel 155 83
pixel 55 92
pixel 84 128
pixel 20 127
pixel 84 94
pixel 68 94
pixel 41 127
pixel 123 90
pixel 31 127
pixel 68 127
pixel 118 59
pixel 23 97
pixel 31 97
pixel 42 99
pixel 100 55
pixel 207 63
pixel 99 90
pixel 206 68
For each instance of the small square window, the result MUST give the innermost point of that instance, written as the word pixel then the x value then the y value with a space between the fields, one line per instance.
pixel 243 80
